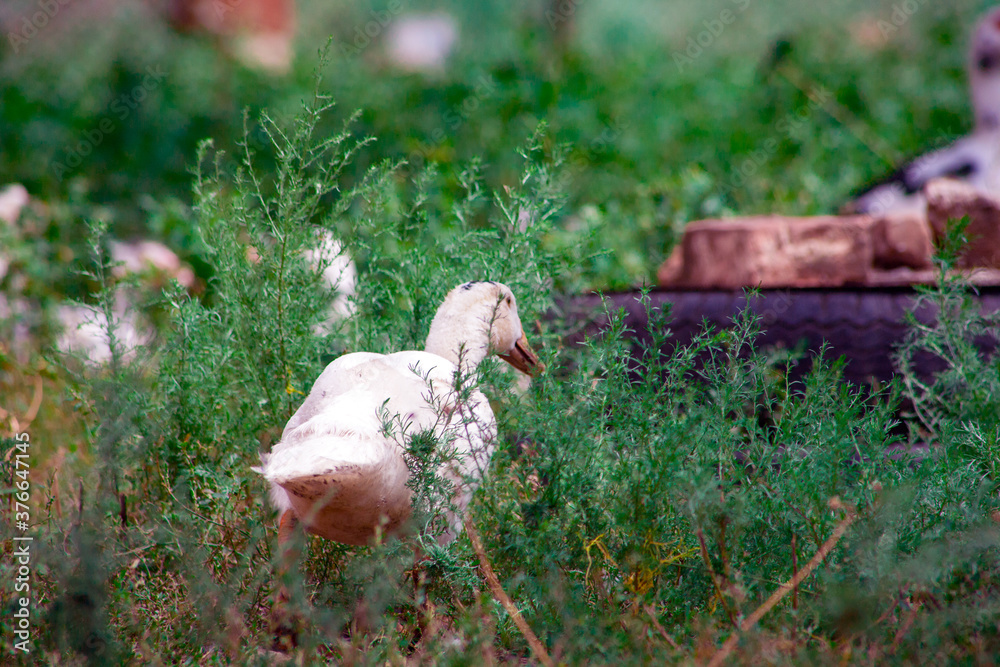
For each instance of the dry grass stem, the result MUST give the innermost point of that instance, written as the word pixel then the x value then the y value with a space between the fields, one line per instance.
pixel 788 586
pixel 501 596
pixel 659 627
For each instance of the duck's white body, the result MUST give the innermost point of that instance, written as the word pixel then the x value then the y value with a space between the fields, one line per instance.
pixel 341 465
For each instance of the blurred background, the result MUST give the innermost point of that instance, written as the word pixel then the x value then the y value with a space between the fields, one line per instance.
pixel 669 111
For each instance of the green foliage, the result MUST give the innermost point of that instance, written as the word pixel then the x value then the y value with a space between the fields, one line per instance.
pixel 641 503
pixel 961 402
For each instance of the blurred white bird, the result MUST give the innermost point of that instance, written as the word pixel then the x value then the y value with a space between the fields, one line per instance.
pixel 86 330
pixel 139 257
pixel 339 274
pixel 974 159
pixel 984 71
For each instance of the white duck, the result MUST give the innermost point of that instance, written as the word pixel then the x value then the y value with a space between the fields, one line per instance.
pixel 339 471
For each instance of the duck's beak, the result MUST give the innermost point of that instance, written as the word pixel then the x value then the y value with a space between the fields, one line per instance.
pixel 523 358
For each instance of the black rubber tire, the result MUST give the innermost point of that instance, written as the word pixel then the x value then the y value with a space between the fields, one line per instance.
pixel 865 327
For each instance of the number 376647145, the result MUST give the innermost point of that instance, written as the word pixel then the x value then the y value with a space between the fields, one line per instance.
pixel 21 483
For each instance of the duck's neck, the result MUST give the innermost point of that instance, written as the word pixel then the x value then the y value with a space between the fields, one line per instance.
pixel 461 338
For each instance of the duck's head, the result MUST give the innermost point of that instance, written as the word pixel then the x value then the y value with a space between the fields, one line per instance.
pixel 984 71
pixel 477 319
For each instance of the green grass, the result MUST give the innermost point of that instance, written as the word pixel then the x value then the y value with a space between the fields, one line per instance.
pixel 639 505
